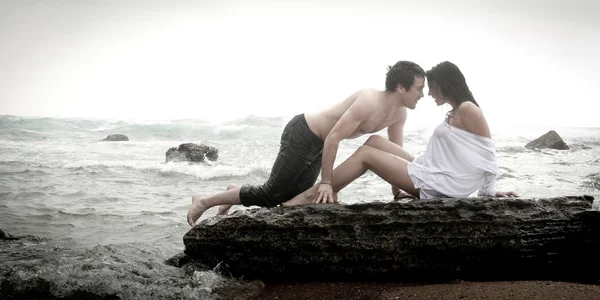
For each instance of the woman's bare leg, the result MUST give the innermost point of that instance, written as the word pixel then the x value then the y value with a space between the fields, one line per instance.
pixel 388 166
pixel 375 141
pixel 381 143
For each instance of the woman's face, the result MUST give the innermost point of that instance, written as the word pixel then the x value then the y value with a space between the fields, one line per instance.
pixel 434 92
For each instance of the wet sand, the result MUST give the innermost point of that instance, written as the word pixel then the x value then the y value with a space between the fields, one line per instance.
pixel 522 290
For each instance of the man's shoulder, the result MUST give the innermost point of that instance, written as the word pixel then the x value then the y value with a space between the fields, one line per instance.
pixel 368 93
pixel 366 99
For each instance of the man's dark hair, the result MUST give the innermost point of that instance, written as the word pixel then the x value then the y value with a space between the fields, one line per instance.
pixel 448 80
pixel 404 73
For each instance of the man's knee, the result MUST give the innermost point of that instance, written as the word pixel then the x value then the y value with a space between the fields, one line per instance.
pixel 257 195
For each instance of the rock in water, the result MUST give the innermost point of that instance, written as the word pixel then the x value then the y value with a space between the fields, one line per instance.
pixel 31 268
pixel 549 140
pixel 471 239
pixel 192 152
pixel 116 138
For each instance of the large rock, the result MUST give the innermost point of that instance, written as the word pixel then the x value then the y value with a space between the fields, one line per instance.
pixel 8 237
pixel 471 239
pixel 33 268
pixel 549 140
pixel 192 152
pixel 116 138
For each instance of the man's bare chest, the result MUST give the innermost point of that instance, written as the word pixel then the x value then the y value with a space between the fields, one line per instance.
pixel 375 124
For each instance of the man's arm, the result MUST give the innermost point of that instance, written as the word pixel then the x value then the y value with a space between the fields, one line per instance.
pixel 345 126
pixel 396 135
pixel 343 129
pixel 396 130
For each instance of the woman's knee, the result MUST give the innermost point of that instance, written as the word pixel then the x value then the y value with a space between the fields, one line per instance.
pixel 363 152
pixel 374 140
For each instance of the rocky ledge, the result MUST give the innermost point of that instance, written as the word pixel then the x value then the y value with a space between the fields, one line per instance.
pixel 33 268
pixel 470 239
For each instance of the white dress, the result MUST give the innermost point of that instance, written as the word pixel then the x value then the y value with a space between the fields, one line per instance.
pixel 456 163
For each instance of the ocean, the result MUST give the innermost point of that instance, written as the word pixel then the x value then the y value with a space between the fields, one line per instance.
pixel 58 181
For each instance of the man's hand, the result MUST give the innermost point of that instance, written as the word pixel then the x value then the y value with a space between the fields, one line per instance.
pixel 506 194
pixel 324 194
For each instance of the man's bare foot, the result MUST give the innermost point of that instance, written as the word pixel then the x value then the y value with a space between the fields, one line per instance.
pixel 197 209
pixel 224 209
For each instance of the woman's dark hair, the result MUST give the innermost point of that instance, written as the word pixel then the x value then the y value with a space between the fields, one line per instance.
pixel 403 73
pixel 447 79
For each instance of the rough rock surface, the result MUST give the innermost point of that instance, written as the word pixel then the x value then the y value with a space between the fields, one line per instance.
pixel 31 268
pixel 549 140
pixel 470 239
pixel 192 152
pixel 116 138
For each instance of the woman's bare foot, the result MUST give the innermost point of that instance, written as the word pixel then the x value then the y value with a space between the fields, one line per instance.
pixel 304 198
pixel 197 209
pixel 403 195
pixel 224 209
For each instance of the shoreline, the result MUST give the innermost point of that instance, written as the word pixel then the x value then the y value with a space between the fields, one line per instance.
pixel 464 290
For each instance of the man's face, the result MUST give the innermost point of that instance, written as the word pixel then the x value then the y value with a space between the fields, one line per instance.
pixel 414 93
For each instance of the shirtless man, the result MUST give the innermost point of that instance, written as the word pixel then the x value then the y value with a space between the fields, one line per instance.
pixel 309 143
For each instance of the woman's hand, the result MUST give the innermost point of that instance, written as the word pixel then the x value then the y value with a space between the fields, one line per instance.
pixel 506 194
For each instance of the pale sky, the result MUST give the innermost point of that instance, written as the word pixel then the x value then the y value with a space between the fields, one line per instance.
pixel 528 63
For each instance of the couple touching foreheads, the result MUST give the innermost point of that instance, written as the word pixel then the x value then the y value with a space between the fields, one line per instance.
pixel 459 160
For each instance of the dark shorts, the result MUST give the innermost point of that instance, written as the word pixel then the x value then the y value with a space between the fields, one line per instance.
pixel 296 167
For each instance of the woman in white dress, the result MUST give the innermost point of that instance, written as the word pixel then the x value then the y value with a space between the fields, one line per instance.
pixel 459 160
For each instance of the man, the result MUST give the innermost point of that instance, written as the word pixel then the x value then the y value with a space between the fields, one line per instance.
pixel 310 141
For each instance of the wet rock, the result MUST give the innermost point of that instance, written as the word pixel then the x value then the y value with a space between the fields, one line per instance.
pixel 178 260
pixel 443 239
pixel 192 152
pixel 550 140
pixel 7 237
pixel 32 269
pixel 4 236
pixel 116 138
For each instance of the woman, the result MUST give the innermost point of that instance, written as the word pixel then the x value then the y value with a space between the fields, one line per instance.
pixel 460 157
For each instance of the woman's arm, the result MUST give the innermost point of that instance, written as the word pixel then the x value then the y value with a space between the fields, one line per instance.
pixel 474 121
pixel 489 186
pixel 472 118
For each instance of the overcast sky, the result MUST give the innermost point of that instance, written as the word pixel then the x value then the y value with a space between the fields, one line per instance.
pixel 533 63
